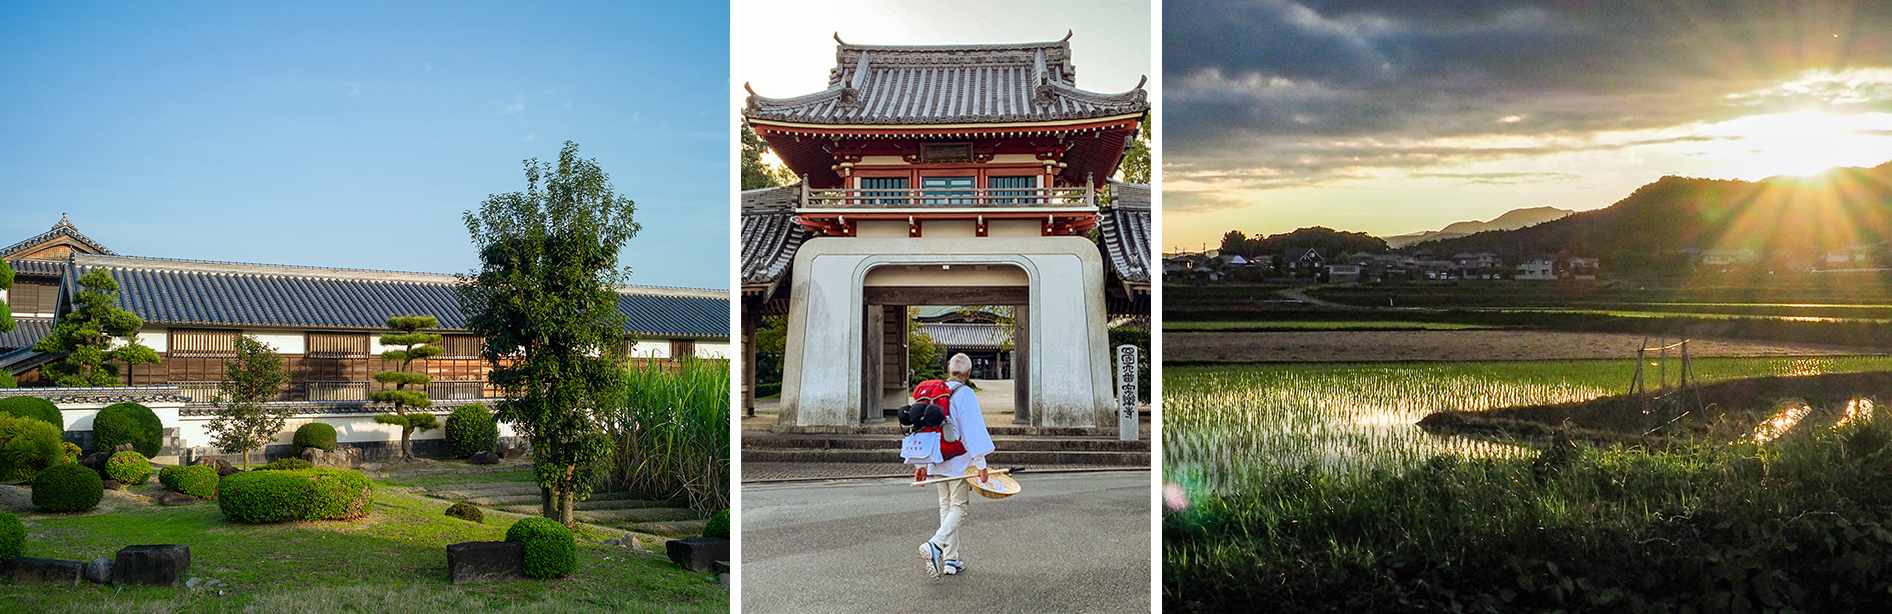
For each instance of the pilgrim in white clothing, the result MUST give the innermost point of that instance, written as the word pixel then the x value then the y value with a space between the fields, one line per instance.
pixel 955 496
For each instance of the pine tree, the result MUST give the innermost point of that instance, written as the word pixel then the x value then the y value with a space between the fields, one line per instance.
pixel 6 315
pixel 87 333
pixel 415 345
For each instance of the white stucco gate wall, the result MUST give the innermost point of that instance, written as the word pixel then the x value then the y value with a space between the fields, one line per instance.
pixel 1069 361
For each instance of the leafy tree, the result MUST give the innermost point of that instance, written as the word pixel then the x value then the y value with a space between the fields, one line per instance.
pixel 1136 160
pixel 544 299
pixel 243 423
pixel 757 174
pixel 925 360
pixel 6 312
pixel 87 334
pixel 415 345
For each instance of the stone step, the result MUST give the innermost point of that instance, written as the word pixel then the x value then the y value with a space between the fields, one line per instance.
pixel 504 500
pixel 672 528
pixel 502 489
pixel 1002 456
pixel 760 441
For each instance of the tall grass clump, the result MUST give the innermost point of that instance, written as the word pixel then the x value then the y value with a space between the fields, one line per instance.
pixel 1802 522
pixel 671 436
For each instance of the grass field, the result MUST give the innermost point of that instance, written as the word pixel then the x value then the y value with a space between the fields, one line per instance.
pixel 392 561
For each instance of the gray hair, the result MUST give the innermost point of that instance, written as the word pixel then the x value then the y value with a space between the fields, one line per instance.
pixel 959 364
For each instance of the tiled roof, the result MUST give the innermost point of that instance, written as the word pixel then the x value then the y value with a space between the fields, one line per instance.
pixel 62 229
pixel 1126 230
pixel 968 336
pixel 35 266
pixel 770 237
pixel 949 84
pixel 25 333
pixel 101 395
pixel 191 293
pixel 316 408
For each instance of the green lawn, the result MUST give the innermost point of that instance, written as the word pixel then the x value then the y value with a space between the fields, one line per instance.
pixel 1263 326
pixel 392 561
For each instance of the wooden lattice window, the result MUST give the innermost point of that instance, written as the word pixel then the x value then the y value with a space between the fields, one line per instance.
pixel 461 346
pixel 682 348
pixel 198 343
pixel 28 297
pixel 337 345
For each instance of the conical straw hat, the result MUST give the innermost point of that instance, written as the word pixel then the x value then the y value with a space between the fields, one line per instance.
pixel 998 486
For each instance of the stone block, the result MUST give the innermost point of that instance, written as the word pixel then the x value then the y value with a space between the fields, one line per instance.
pixel 123 447
pixel 472 562
pixel 341 458
pixel 176 498
pixel 483 458
pixel 33 570
pixel 698 554
pixel 99 571
pixel 114 485
pixel 507 450
pixel 95 461
pixel 151 565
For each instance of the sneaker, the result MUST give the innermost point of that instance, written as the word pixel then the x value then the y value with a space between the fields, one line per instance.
pixel 953 567
pixel 932 555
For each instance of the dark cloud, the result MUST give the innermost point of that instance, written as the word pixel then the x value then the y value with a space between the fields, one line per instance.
pixel 1293 87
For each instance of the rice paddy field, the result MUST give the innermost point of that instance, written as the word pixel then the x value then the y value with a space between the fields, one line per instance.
pixel 1224 425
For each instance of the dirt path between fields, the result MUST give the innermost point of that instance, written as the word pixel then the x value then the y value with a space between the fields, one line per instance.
pixel 1460 345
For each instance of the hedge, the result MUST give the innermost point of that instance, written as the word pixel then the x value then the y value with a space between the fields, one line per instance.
pixel 129 468
pixel 28 446
pixel 551 550
pixel 315 435
pixel 467 511
pixel 12 534
pixel 128 423
pixel 34 407
pixel 198 481
pixel 300 494
pixel 471 429
pixel 718 525
pixel 68 488
pixel 168 476
pixel 286 464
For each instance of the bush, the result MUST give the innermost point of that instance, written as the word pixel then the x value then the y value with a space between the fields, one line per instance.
pixel 763 391
pixel 551 549
pixel 286 464
pixel 73 451
pixel 299 494
pixel 6 380
pixel 129 468
pixel 168 476
pixel 34 407
pixel 12 534
pixel 718 525
pixel 128 423
pixel 28 446
pixel 468 512
pixel 68 488
pixel 315 435
pixel 471 430
pixel 198 481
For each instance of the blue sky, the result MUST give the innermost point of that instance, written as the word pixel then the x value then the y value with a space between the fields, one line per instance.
pixel 355 134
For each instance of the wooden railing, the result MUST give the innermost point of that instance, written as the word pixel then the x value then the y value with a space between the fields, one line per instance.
pixel 891 198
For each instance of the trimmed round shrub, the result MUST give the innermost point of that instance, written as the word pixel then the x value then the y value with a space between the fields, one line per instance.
pixel 168 476
pixel 28 446
pixel 128 423
pixel 315 435
pixel 286 464
pixel 468 512
pixel 551 549
pixel 198 481
pixel 36 408
pixel 129 468
pixel 68 488
pixel 12 534
pixel 471 429
pixel 718 525
pixel 299 494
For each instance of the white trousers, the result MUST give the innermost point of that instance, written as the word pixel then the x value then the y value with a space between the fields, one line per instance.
pixel 955 500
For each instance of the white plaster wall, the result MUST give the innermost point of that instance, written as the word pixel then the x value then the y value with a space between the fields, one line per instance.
pixel 939 275
pixel 79 417
pixel 158 339
pixel 195 430
pixel 651 348
pixel 1014 228
pixel 949 229
pixel 1070 366
pixel 713 350
pixel 884 229
pixel 285 342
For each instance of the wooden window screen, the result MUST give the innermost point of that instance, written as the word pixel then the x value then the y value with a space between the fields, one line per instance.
pixel 26 297
pixel 461 346
pixel 682 348
pixel 194 343
pixel 337 345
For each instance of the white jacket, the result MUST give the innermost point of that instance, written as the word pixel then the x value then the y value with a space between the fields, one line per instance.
pixel 968 422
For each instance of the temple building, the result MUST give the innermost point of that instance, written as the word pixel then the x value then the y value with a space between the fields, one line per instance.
pixel 962 175
pixel 325 322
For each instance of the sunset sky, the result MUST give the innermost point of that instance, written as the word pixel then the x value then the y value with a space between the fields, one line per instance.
pixel 1391 117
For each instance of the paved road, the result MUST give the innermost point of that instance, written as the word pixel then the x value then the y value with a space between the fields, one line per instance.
pixel 1069 543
